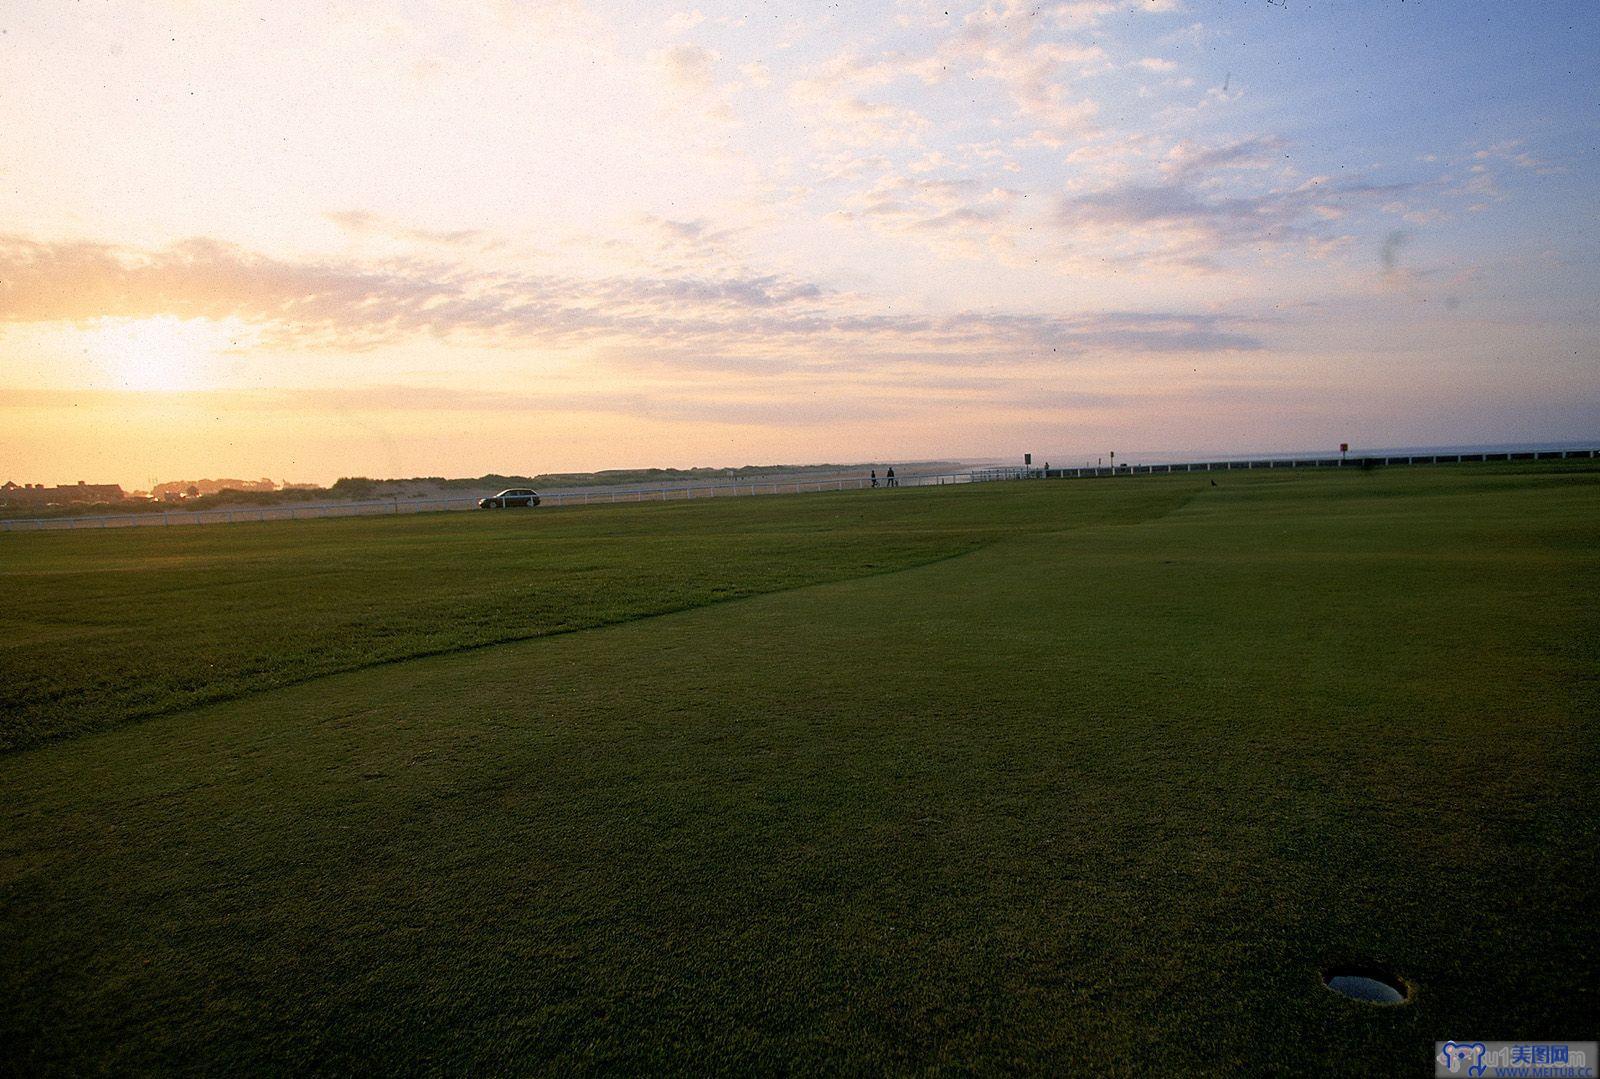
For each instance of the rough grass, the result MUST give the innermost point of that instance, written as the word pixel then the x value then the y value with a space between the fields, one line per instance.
pixel 1101 797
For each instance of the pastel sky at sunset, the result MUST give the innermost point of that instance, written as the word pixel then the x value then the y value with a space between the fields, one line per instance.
pixel 392 239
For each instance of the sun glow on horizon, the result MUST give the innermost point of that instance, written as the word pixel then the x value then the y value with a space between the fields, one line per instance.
pixel 161 354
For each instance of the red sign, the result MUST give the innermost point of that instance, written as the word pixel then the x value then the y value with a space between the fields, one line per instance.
pixel 1344 447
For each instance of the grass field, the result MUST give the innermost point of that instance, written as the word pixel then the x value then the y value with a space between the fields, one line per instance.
pixel 1089 777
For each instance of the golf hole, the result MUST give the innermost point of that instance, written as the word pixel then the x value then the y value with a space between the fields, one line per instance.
pixel 1367 984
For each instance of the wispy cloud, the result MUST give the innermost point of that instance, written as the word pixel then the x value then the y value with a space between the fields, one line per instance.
pixel 912 204
pixel 1182 218
pixel 1189 160
pixel 354 306
pixel 1035 55
pixel 363 222
pixel 692 67
pixel 681 22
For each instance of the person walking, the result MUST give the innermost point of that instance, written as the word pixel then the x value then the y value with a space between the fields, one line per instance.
pixel 892 481
pixel 874 477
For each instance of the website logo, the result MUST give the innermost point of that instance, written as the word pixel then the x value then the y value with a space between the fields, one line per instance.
pixel 1531 1060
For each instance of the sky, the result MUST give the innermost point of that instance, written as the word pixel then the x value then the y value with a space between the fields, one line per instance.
pixel 308 240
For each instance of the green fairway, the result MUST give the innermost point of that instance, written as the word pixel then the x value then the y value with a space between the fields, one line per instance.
pixel 1090 777
pixel 100 627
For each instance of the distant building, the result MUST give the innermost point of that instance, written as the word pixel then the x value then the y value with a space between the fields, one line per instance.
pixel 37 494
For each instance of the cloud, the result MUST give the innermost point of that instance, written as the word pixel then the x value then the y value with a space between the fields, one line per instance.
pixel 694 405
pixel 967 216
pixel 695 240
pixel 1510 150
pixel 1004 42
pixel 1188 160
pixel 1480 181
pixel 348 306
pixel 680 22
pixel 739 293
pixel 1122 331
pixel 364 222
pixel 1182 219
pixel 690 73
pixel 304 304
pixel 1025 66
pixel 354 220
pixel 691 67
pixel 835 105
pixel 1036 54
pixel 757 74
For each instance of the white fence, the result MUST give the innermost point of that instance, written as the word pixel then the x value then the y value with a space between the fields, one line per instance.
pixel 778 485
pixel 1355 460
